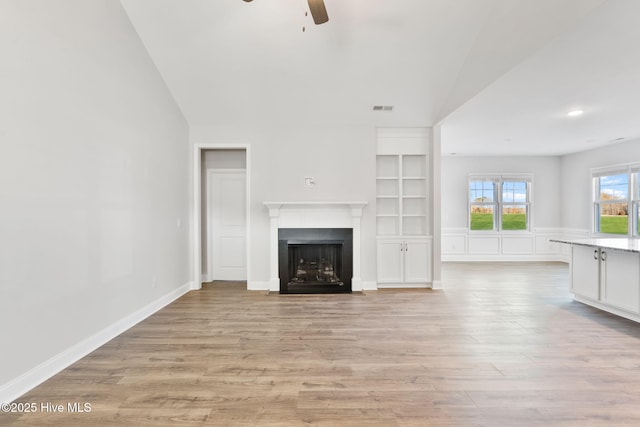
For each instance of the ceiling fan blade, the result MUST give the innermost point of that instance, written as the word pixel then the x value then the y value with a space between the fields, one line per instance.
pixel 318 11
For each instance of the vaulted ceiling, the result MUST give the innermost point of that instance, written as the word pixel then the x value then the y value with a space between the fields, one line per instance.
pixel 499 75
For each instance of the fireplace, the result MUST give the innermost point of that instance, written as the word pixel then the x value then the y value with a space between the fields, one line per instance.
pixel 315 221
pixel 315 260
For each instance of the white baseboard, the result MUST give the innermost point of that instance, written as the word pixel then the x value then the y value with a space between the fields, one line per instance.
pixel 254 285
pixel 404 285
pixel 37 375
pixel 436 284
pixel 369 286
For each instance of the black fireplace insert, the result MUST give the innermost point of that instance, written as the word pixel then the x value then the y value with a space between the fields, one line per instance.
pixel 315 260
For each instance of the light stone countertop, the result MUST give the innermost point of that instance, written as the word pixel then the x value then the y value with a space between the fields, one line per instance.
pixel 619 244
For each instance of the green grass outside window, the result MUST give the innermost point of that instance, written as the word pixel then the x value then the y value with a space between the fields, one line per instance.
pixel 484 221
pixel 613 224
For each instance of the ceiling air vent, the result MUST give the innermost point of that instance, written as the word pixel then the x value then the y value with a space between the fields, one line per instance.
pixel 383 108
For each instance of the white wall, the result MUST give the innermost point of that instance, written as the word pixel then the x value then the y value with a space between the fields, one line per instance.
pixel 340 158
pixel 455 186
pixel 562 204
pixel 459 244
pixel 576 206
pixel 93 179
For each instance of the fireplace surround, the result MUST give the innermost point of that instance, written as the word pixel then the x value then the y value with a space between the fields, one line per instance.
pixel 316 215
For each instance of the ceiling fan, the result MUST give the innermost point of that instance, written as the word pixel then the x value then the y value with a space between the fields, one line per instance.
pixel 317 9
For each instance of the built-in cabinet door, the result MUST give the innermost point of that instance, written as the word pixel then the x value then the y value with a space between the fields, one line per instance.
pixel 390 261
pixel 404 261
pixel 585 271
pixel 620 279
pixel 417 262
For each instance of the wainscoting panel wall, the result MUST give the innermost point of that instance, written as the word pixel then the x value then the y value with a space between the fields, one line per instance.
pixel 459 244
pixel 517 245
pixel 483 244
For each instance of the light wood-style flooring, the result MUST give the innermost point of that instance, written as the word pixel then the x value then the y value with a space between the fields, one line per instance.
pixel 502 345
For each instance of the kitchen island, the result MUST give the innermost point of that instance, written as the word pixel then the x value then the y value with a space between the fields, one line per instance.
pixel 605 273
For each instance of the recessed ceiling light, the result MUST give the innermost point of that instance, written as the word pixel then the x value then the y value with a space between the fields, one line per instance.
pixel 575 113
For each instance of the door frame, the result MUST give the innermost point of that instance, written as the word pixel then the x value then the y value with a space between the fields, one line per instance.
pixel 197 206
pixel 209 177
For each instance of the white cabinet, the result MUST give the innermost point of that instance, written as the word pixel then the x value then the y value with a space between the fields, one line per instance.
pixel 404 261
pixel 585 271
pixel 417 261
pixel 611 278
pixel 390 261
pixel 620 279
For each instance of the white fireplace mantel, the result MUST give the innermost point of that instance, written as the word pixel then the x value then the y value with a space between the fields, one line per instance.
pixel 316 214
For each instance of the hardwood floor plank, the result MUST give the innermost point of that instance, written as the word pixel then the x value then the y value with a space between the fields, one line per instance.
pixel 502 345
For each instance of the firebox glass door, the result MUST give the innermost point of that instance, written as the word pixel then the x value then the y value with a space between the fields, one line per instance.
pixel 315 264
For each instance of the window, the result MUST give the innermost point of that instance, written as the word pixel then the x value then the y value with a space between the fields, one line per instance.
pixel 515 205
pixel 636 204
pixel 616 200
pixel 482 197
pixel 612 204
pixel 499 203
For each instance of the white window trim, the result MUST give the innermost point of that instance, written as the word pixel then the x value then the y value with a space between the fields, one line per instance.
pixel 500 178
pixel 633 198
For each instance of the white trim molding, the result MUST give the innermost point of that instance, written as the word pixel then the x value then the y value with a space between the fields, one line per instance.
pixel 315 215
pixel 255 285
pixel 369 286
pixel 197 203
pixel 39 374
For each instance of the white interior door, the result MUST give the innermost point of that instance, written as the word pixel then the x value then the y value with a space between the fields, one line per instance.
pixel 227 225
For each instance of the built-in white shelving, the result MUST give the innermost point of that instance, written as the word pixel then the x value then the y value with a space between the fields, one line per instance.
pixel 401 194
pixel 402 208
